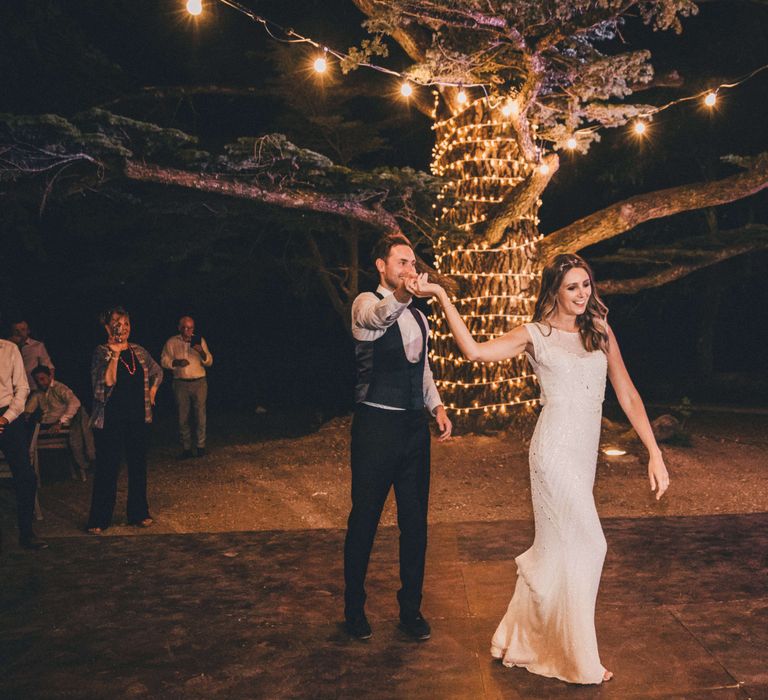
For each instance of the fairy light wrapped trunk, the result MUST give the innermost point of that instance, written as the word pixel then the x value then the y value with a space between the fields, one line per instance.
pixel 476 152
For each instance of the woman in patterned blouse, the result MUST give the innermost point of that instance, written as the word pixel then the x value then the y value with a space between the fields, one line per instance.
pixel 125 380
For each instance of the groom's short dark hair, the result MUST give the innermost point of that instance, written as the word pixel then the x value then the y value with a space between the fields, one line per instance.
pixel 386 243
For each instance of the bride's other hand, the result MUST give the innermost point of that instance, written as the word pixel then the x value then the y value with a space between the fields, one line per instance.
pixel 420 286
pixel 658 475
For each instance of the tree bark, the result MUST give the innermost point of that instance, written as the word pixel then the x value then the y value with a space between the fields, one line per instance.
pixel 375 216
pixel 623 216
pixel 520 200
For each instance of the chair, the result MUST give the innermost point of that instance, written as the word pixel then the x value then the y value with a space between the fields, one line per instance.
pixel 5 468
pixel 59 440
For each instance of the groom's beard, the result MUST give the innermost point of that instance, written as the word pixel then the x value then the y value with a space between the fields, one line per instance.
pixel 393 283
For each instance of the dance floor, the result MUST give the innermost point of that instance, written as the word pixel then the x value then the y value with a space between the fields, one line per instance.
pixel 682 613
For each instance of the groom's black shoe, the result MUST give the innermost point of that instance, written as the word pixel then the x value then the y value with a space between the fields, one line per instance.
pixel 358 627
pixel 416 626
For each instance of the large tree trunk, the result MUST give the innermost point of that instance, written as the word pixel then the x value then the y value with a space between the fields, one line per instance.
pixel 477 151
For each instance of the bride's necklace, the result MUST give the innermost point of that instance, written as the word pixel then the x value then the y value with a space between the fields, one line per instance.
pixel 132 369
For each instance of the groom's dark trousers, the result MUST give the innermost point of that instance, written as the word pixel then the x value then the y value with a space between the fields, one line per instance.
pixel 389 448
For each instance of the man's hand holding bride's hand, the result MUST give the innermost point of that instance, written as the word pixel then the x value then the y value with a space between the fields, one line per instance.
pixel 420 286
pixel 444 424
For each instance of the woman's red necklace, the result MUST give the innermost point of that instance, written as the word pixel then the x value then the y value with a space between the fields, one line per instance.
pixel 132 369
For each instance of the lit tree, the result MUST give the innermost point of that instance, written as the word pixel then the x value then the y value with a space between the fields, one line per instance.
pixel 514 84
pixel 518 82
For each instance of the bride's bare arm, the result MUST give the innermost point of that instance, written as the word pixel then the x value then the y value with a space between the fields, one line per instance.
pixel 632 405
pixel 508 345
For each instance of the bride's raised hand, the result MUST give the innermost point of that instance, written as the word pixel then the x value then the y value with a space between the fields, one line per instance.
pixel 422 287
pixel 658 475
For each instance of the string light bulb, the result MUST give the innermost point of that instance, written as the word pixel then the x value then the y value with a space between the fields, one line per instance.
pixel 461 98
pixel 195 7
pixel 320 65
pixel 571 143
pixel 509 108
pixel 544 169
pixel 406 89
pixel 640 127
pixel 710 99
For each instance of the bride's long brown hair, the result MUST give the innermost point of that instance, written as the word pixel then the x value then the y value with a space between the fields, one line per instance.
pixel 592 324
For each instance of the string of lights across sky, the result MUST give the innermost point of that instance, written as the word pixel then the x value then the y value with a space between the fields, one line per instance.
pixel 321 64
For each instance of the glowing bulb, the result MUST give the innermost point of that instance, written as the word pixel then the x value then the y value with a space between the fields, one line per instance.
pixel 640 127
pixel 614 452
pixel 406 90
pixel 320 65
pixel 571 143
pixel 710 99
pixel 195 7
pixel 461 98
pixel 544 169
pixel 509 108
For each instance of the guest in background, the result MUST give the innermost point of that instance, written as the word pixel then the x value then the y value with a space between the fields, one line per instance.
pixel 187 355
pixel 125 380
pixel 60 409
pixel 33 351
pixel 13 442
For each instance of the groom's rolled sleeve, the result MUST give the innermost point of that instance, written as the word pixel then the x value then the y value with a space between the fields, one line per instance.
pixel 369 313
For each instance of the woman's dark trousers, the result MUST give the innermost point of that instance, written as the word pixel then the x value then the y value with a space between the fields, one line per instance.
pixel 115 439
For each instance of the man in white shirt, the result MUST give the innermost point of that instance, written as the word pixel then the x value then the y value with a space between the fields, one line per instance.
pixel 390 434
pixel 33 352
pixel 60 409
pixel 14 390
pixel 188 356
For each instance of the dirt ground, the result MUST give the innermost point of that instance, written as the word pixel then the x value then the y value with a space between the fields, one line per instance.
pixel 301 483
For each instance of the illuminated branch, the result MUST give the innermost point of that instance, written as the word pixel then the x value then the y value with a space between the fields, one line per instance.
pixel 374 215
pixel 521 199
pixel 624 216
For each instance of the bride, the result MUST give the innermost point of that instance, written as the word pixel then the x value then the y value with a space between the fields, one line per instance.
pixel 549 626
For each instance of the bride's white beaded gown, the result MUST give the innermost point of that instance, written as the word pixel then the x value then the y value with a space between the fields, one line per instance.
pixel 549 626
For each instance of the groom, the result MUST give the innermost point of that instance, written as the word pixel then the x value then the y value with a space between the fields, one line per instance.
pixel 390 434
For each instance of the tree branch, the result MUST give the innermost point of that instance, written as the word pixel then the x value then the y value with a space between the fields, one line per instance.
pixel 161 92
pixel 623 216
pixel 375 216
pixel 699 261
pixel 414 41
pixel 520 200
pixel 338 303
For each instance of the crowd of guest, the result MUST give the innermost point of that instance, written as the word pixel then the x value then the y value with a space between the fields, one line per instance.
pixel 34 404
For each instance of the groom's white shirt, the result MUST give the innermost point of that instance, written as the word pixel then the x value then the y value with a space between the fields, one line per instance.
pixel 372 316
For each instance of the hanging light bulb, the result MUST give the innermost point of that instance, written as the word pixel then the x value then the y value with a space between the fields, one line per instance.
pixel 571 143
pixel 320 65
pixel 406 90
pixel 461 98
pixel 710 99
pixel 509 108
pixel 640 127
pixel 195 7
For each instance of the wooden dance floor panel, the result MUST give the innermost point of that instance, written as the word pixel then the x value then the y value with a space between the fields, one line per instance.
pixel 682 613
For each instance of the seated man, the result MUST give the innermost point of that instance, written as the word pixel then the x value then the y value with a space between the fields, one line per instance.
pixel 59 409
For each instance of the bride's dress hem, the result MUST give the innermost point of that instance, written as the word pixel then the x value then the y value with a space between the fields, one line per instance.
pixel 498 655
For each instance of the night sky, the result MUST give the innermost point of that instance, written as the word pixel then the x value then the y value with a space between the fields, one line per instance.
pixel 237 266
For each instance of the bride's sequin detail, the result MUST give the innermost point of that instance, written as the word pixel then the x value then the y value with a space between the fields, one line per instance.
pixel 549 626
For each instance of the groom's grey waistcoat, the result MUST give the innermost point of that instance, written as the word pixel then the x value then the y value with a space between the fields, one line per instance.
pixel 384 374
